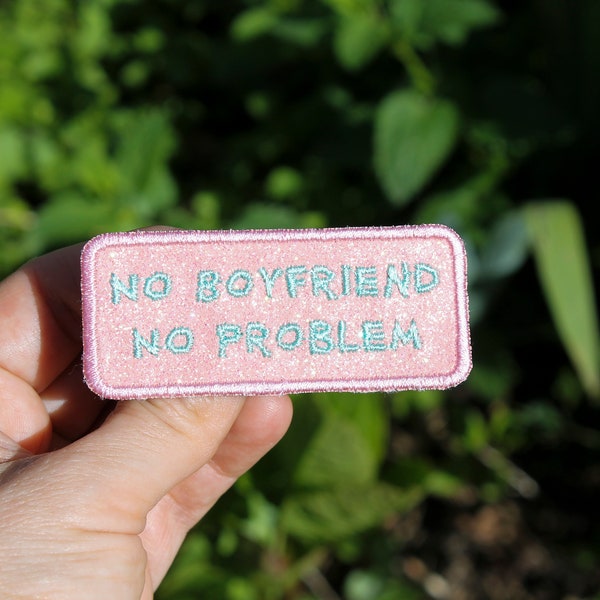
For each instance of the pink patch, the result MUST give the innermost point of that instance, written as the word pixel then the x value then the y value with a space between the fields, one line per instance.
pixel 180 313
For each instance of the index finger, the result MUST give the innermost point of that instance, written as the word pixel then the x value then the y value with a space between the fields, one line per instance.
pixel 40 317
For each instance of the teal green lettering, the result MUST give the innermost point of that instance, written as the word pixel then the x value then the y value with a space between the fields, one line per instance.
pixel 256 334
pixel 294 279
pixel 420 285
pixel 207 286
pixel 344 346
pixel 163 291
pixel 232 287
pixel 393 279
pixel 319 337
pixel 321 277
pixel 366 281
pixel 181 348
pixel 346 285
pixel 119 288
pixel 373 336
pixel 228 333
pixel 140 342
pixel 282 335
pixel 400 336
pixel 270 279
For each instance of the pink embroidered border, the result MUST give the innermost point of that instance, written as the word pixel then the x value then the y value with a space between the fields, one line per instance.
pixel 154 237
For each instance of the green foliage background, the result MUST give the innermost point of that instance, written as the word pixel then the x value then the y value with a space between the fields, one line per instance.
pixel 480 114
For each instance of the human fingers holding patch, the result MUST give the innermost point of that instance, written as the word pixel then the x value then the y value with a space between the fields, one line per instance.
pixel 96 512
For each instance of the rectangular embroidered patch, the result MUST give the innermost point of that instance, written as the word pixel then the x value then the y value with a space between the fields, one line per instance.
pixel 179 313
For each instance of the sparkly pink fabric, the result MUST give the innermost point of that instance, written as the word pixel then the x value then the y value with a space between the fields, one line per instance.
pixel 166 297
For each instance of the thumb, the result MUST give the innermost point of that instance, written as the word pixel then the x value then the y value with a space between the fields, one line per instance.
pixel 140 453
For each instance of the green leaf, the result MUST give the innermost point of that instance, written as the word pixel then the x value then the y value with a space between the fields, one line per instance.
pixel 351 7
pixel 448 21
pixel 263 20
pixel 366 412
pixel 451 21
pixel 253 23
pixel 146 142
pixel 407 16
pixel 414 136
pixel 332 515
pixel 267 216
pixel 193 570
pixel 372 585
pixel 563 267
pixel 337 455
pixel 206 206
pixel 507 247
pixel 261 524
pixel 17 239
pixel 92 37
pixel 476 435
pixel 442 483
pixel 69 218
pixel 358 39
pixel 301 32
pixel 12 155
pixel 412 473
pixel 284 183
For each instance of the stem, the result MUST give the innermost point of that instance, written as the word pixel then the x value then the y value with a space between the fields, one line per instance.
pixel 421 77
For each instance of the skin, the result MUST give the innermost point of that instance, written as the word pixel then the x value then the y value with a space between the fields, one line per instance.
pixel 96 498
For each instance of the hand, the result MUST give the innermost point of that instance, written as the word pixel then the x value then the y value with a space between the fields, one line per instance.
pixel 95 500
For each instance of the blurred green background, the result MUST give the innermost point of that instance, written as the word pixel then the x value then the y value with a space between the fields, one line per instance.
pixel 480 114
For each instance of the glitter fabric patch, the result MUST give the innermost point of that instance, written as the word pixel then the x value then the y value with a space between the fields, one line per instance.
pixel 178 313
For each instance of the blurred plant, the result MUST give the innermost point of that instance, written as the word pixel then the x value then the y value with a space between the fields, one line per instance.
pixel 567 281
